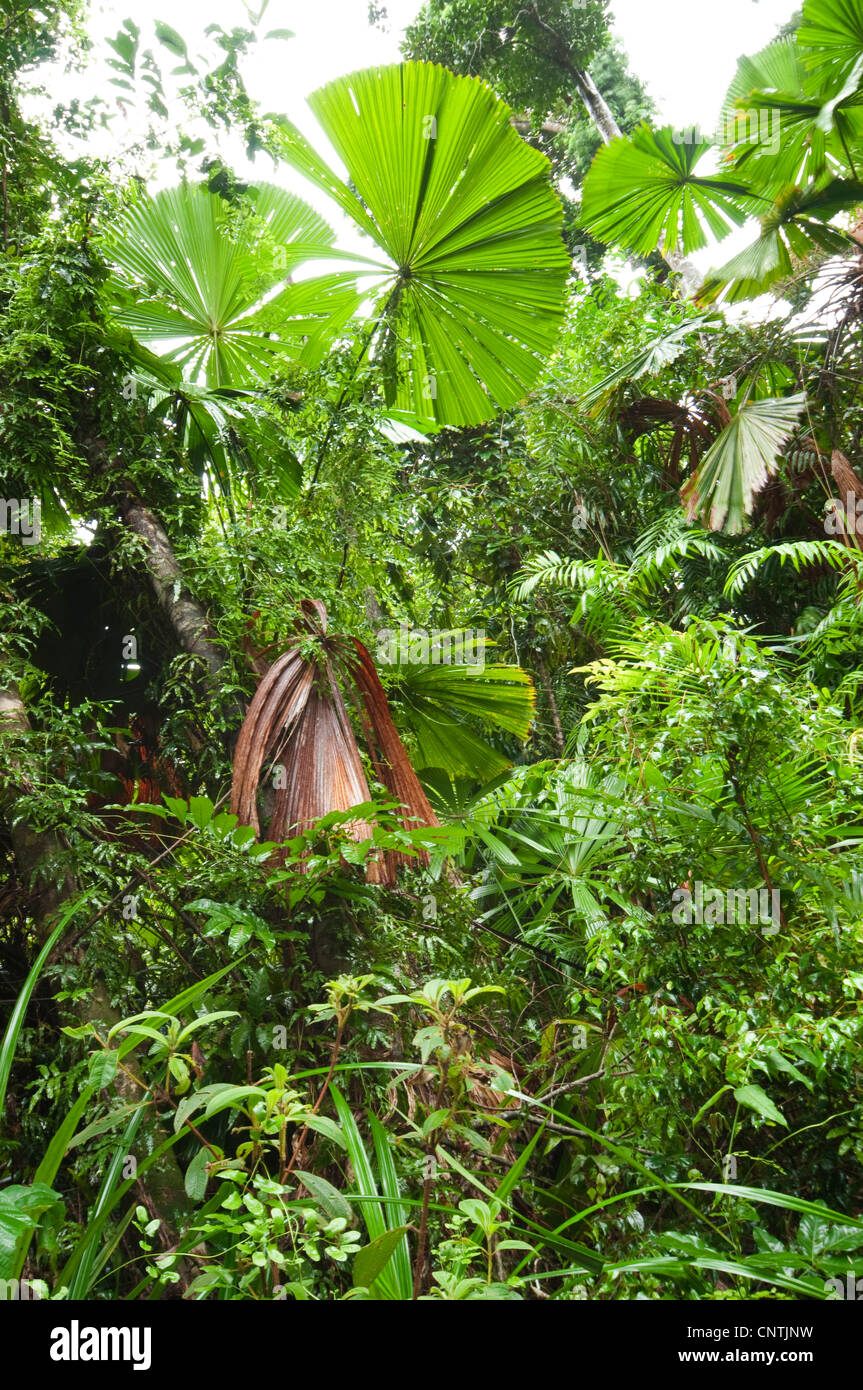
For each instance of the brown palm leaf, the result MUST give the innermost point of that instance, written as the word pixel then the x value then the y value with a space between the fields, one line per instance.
pixel 388 754
pixel 850 495
pixel 298 716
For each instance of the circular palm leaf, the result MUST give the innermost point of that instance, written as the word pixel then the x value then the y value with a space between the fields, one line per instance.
pixel 198 280
pixel 643 190
pixel 470 294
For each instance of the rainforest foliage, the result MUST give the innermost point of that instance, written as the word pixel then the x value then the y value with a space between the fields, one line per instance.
pixel 431 793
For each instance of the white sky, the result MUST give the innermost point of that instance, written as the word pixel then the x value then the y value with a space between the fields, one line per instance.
pixel 685 50
pixel 687 55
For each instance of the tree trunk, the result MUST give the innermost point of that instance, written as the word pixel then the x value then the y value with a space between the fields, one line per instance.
pixel 38 855
pixel 548 691
pixel 850 498
pixel 601 115
pixel 597 107
pixel 186 615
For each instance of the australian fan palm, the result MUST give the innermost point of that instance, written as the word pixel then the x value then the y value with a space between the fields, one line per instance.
pixel 461 300
pixel 458 306
pixel 791 151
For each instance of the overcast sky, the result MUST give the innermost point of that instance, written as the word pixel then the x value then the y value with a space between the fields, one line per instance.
pixel 685 50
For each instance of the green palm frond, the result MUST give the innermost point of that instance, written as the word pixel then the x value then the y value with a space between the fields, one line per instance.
pixel 654 562
pixel 198 290
pixel 471 294
pixel 659 352
pixel 457 798
pixel 612 598
pixel 660 666
pixel 608 604
pixel 443 706
pixel 832 32
pixel 642 191
pixel 552 853
pixel 799 554
pixel 739 463
pixel 784 126
pixel 211 422
pixel 796 229
pixel 548 568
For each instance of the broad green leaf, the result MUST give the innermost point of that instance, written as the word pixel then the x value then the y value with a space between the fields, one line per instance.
pixel 224 1096
pixel 795 228
pixel 200 811
pixel 832 33
pixel 321 1124
pixel 737 465
pixel 776 1062
pixel 784 125
pixel 103 1068
pixel 643 191
pixel 442 706
pixel 328 1198
pixel 816 1236
pixel 196 1178
pixel 204 1021
pixel 171 39
pixel 470 290
pixel 20 1209
pixel 370 1260
pixel 191 287
pixel 754 1098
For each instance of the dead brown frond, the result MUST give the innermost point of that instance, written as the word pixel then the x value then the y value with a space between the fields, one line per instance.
pixel 298 723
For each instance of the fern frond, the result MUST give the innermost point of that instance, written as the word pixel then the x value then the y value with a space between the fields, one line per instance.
pixel 549 568
pixel 649 569
pixel 797 553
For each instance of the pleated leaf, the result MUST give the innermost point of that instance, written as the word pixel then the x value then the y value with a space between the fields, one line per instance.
pixel 469 226
pixel 649 361
pixel 833 32
pixel 642 191
pixel 444 706
pixel 738 465
pixel 795 229
pixel 783 124
pixel 199 292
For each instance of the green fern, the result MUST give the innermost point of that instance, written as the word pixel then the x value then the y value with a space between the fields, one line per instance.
pixel 797 553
